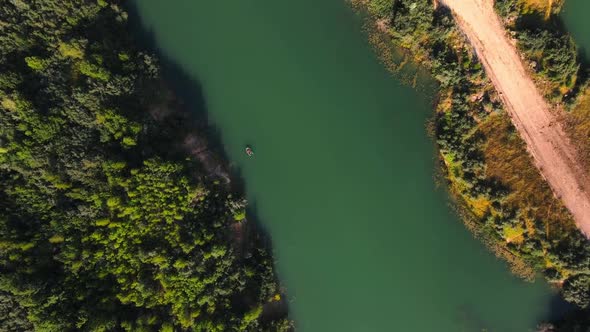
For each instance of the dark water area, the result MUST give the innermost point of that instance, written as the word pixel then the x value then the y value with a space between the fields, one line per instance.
pixel 343 175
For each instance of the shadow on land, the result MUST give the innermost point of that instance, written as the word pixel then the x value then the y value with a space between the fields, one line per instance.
pixel 188 91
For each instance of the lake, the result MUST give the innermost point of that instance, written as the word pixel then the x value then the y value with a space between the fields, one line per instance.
pixel 343 172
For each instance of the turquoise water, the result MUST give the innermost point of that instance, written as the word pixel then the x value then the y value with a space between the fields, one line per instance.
pixel 343 173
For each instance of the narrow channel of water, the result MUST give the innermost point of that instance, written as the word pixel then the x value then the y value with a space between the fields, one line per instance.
pixel 343 172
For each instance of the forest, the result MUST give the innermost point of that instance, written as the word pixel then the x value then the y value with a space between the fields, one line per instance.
pixel 500 194
pixel 109 219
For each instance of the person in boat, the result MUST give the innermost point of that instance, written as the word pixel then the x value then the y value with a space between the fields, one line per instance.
pixel 249 151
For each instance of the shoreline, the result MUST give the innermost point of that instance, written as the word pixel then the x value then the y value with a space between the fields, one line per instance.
pixel 457 203
pixel 115 214
pixel 554 155
pixel 497 190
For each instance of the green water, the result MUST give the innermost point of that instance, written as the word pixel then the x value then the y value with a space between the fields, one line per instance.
pixel 343 172
pixel 575 15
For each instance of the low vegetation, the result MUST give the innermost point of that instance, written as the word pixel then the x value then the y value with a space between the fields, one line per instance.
pixel 544 7
pixel 551 53
pixel 577 122
pixel 503 198
pixel 107 222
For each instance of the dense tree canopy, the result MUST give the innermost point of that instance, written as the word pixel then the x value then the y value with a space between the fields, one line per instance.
pixel 106 222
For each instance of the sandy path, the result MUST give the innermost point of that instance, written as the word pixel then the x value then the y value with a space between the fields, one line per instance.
pixel 554 154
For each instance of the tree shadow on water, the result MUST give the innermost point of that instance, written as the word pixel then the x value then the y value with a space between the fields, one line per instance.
pixel 558 308
pixel 566 317
pixel 556 311
pixel 468 320
pixel 188 93
pixel 259 237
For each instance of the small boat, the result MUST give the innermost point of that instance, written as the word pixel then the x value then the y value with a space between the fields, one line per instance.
pixel 249 151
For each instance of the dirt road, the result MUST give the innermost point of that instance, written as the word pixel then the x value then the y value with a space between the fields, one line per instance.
pixel 554 154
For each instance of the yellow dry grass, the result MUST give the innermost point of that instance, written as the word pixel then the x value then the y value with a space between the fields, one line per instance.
pixel 578 127
pixel 547 7
pixel 445 101
pixel 508 161
pixel 514 234
pixel 479 205
pixel 540 5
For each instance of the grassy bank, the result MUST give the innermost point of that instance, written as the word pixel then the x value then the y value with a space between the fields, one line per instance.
pixel 553 60
pixel 112 218
pixel 504 200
